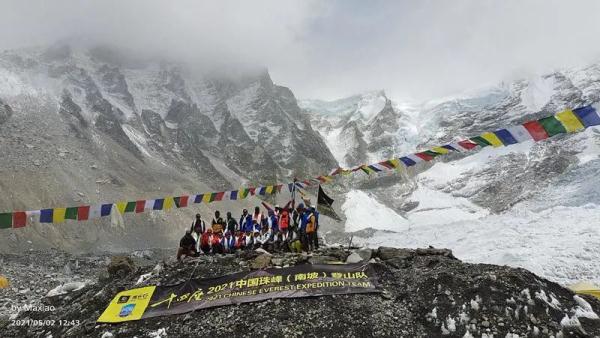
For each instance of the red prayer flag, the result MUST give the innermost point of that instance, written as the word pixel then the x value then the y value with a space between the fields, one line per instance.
pixel 219 196
pixel 536 130
pixel 252 191
pixel 424 156
pixel 467 144
pixel 19 219
pixel 139 206
pixel 183 201
pixel 83 213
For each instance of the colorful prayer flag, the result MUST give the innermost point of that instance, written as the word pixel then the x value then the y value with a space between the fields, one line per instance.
pixel 158 204
pixel 149 205
pixel 59 215
pixel 219 196
pixel 71 213
pixel 569 120
pixel 106 209
pixel 440 150
pixel 168 203
pixel 140 206
pixel 46 215
pixel 480 141
pixel 19 219
pixel 505 136
pixel 467 144
pixel 492 139
pixel 588 116
pixel 520 133
pixel 6 220
pixel 407 161
pixel 424 156
pixel 121 207
pixel 130 206
pixel 536 130
pixel 83 213
pixel 552 126
pixel 233 195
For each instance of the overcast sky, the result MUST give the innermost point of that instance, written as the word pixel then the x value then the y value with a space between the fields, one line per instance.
pixel 414 50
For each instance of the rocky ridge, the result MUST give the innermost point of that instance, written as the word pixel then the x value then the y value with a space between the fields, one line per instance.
pixel 426 293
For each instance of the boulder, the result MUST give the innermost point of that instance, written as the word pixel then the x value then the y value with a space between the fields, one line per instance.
pixel 386 253
pixel 357 256
pixel 261 261
pixel 120 266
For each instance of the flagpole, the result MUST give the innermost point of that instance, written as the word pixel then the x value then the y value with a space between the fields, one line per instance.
pixel 294 194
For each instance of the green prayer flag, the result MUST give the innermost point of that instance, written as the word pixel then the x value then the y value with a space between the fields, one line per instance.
pixel 552 125
pixel 480 141
pixel 6 220
pixel 130 207
pixel 71 213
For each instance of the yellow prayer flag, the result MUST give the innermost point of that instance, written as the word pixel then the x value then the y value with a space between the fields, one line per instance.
pixel 168 204
pixel 569 120
pixel 121 207
pixel 440 150
pixel 58 216
pixel 492 139
pixel 206 198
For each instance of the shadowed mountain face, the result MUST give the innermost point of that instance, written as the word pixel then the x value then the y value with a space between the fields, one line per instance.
pixel 90 126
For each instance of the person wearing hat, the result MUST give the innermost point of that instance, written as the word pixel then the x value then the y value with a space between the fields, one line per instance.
pixel 187 245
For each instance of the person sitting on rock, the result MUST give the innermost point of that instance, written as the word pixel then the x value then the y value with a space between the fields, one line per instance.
pixel 257 240
pixel 228 243
pixel 240 240
pixel 187 246
pixel 294 242
pixel 205 241
pixel 217 248
pixel 266 239
pixel 250 241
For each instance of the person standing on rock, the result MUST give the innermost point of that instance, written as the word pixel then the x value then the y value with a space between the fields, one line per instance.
pixel 315 237
pixel 198 225
pixel 217 223
pixel 243 220
pixel 311 229
pixel 284 221
pixel 232 224
pixel 303 219
pixel 187 246
pixel 273 222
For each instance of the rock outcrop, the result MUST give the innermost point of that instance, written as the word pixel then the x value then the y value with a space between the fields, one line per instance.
pixel 426 293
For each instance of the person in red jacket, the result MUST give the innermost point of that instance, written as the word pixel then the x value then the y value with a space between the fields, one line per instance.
pixel 240 242
pixel 205 241
pixel 217 248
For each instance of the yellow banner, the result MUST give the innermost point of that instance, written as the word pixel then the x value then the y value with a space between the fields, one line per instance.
pixel 127 305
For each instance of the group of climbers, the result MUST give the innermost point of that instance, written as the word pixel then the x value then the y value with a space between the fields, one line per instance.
pixel 280 229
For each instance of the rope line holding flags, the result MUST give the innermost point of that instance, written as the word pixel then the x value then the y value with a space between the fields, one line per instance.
pixel 566 121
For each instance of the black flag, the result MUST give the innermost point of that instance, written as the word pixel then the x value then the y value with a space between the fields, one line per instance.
pixel 325 205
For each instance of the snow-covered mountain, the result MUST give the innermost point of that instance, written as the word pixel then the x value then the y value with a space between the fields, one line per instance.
pixel 81 125
pixel 90 126
pixel 535 205
pixel 362 128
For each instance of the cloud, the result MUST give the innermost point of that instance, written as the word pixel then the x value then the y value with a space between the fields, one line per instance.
pixel 328 49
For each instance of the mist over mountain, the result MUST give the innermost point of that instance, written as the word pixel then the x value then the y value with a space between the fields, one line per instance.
pixel 92 125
